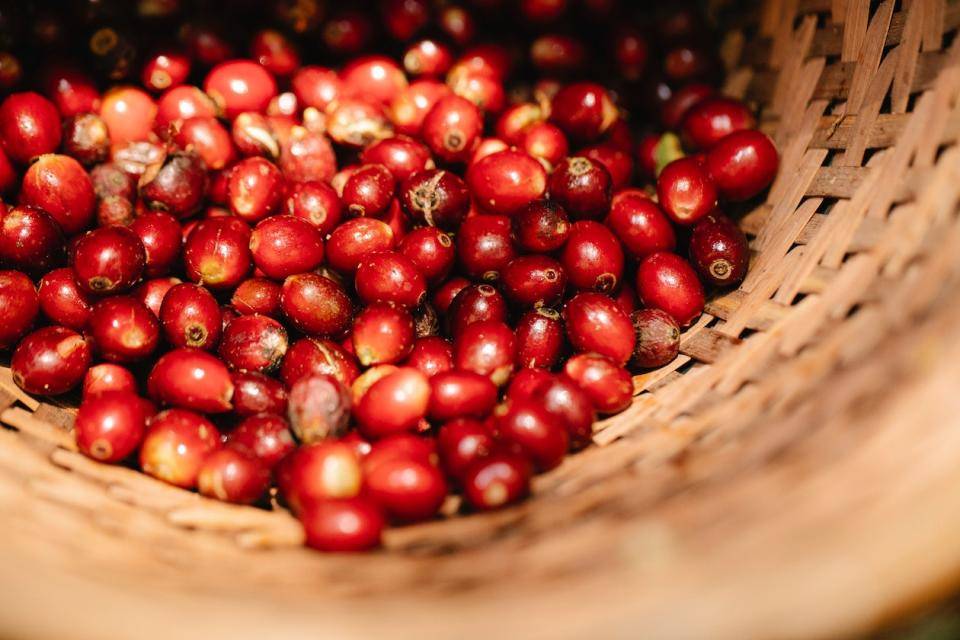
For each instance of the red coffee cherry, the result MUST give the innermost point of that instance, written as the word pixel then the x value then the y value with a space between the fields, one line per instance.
pixel 191 379
pixel 496 480
pixel 525 426
pixel 253 343
pixel 592 257
pixel 609 386
pixel 60 186
pixel 436 198
pixel 534 281
pixel 460 443
pixel 487 348
pixel 50 361
pixel 264 436
pixel 257 295
pixel 713 118
pixel 485 246
pixel 282 246
pixel 658 338
pixel 255 393
pixel 584 111
pixel 595 323
pixel 388 276
pixel 110 426
pixel 407 490
pixel 354 239
pixel 742 164
pixel 240 85
pixel 256 189
pixel 216 254
pixel 507 181
pixel 394 404
pixel 452 128
pixel 124 329
pixel 315 202
pixel 191 317
pixel 382 334
pixel 19 305
pixel 461 394
pixel 315 304
pixel 347 525
pixel 430 355
pixel 29 126
pixel 176 445
pixel 640 225
pixel 685 191
pixel 108 260
pixel 312 355
pixel 668 282
pixel 107 377
pixel 542 227
pixel 719 251
pixel 540 338
pixel 582 187
pixel 231 475
pixel 161 236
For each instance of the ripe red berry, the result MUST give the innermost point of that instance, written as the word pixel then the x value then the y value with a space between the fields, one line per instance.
pixel 191 379
pixel 255 393
pixel 86 139
pixel 369 190
pixel 595 323
pixel 354 239
pixel 60 186
pixel 584 111
pixel 719 251
pixel 592 257
pixel 685 191
pixel 30 240
pixel 713 118
pixel 315 304
pixel 460 443
pixel 231 475
pixel 640 224
pixel 431 355
pixel 256 189
pixel 161 236
pixel 29 126
pixel 177 186
pixel 257 295
pixel 533 281
pixel 742 164
pixel 452 128
pixel 496 480
pixel 312 355
pixel 658 338
pixel 152 292
pixel 253 343
pixel 129 114
pixel 608 385
pixel 318 471
pixel 175 107
pixel 318 408
pixel 107 377
pixel 240 85
pixel 617 161
pixel 124 329
pixel 431 251
pixel 282 246
pixel 407 490
pixel 50 361
pixel 461 394
pixel 375 78
pixel 165 69
pixel 540 338
pixel 216 253
pixel 275 52
pixel 582 187
pixel 176 445
pixel 108 260
pixel 402 156
pixel 19 305
pixel 382 334
pixel 342 525
pixel 525 427
pixel 506 182
pixel 568 404
pixel 475 303
pixel 191 317
pixel 110 426
pixel 485 246
pixel 542 227
pixel 388 276
pixel 71 90
pixel 316 87
pixel 428 58
pixel 487 348
pixel 394 404
pixel 668 282
pixel 264 436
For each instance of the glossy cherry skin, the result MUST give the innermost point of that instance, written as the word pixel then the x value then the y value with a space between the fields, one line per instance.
pixel 476 303
pixel 315 202
pixel 30 240
pixel 719 251
pixel 19 306
pixel 460 443
pixel 29 126
pixel 319 471
pixel 160 234
pixel 431 355
pixel 275 52
pixel 407 490
pixel 240 85
pixel 264 436
pixel 312 355
pixel 488 348
pixel 658 338
pixel 461 394
pixel 152 292
pixel 216 254
pixel 256 189
pixel 582 187
pixel 452 128
pixel 714 118
pixel 542 227
pixel 596 323
pixel 342 526
pixel 640 225
pixel 682 100
pixel 108 260
pixel 282 246
pixel 369 190
pixel 411 106
pixel 257 295
pixel 191 379
pixel 165 69
pixel 374 78
pixel 107 377
pixel 388 276
pixel 444 295
pixel 231 475
pixel 191 317
pixel 110 426
pixel 540 338
pixel 315 304
pixel 525 427
pixel 496 480
pixel 175 107
pixel 609 386
pixel 50 361
pixel 485 246
pixel 318 409
pixel 533 281
pixel 124 329
pixel 668 282
pixel 436 198
pixel 568 404
pixel 71 90
pixel 253 343
pixel 176 445
pixel 129 113
pixel 685 191
pixel 60 186
pixel 354 239
pixel 429 58
pixel 382 334
pixel 176 186
pixel 431 251
pixel 394 404
pixel 742 164
pixel 402 156
pixel 255 393
pixel 506 182
pixel 316 86
pixel 584 111
pixel 592 257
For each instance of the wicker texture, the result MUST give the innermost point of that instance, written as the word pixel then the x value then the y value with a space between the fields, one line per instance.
pixel 790 474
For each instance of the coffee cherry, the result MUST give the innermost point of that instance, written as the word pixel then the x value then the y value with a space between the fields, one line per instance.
pixel 658 338
pixel 524 426
pixel 253 343
pixel 282 246
pixel 543 226
pixel 176 445
pixel 640 225
pixel 30 240
pixel 719 251
pixel 713 118
pixel 29 126
pixel 668 282
pixel 452 128
pixel 487 348
pixel 240 85
pixel 19 305
pixel 394 404
pixel 582 187
pixel 533 281
pixel 231 475
pixel 318 409
pixel 485 246
pixel 742 164
pixel 390 277
pixel 608 385
pixel 107 377
pixel 506 182
pixel 595 323
pixel 60 186
pixel 316 305
pixel 496 480
pixel 461 394
pixel 50 361
pixel 354 239
pixel 124 329
pixel 592 257
pixel 369 190
pixel 191 379
pixel 342 525
pixel 312 355
pixel 584 111
pixel 108 260
pixel 264 436
pixel 110 426
pixel 685 191
pixel 436 198
pixel 406 490
pixel 191 317
pixel 540 338
pixel 255 393
pixel 216 254
pixel 460 443
pixel 382 334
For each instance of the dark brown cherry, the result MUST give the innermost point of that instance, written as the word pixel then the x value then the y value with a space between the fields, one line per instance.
pixel 658 338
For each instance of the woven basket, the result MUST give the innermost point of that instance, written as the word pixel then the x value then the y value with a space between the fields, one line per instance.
pixel 793 473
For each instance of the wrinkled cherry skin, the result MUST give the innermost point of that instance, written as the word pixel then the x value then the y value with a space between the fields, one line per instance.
pixel 640 225
pixel 282 246
pixel 240 85
pixel 435 197
pixel 318 409
pixel 255 393
pixel 316 305
pixel 540 339
pixel 582 187
pixel 315 202
pixel 507 181
pixel 230 475
pixel 108 260
pixel 354 239
pixel 374 78
pixel 407 490
pixel 713 118
pixel 312 355
pixel 129 113
pixel 668 282
pixel 431 355
pixel 152 292
pixel 216 254
pixel 382 334
pixel 161 236
pixel 533 281
pixel 488 348
pixel 452 128
pixel 719 251
pixel 124 329
pixel 584 111
pixel 542 227
pixel 60 186
pixel 592 257
pixel 107 377
pixel 393 404
pixel 388 276
pixel 460 443
pixel 176 444
pixel 178 186
pixel 342 526
pixel 658 338
pixel 50 361
pixel 316 86
pixel 431 251
pixel 264 436
pixel 191 379
pixel 475 303
pixel 525 427
pixel 110 426
pixel 596 323
pixel 496 480
pixel 257 295
pixel 29 126
pixel 368 190
pixel 253 343
pixel 461 394
pixel 485 246
pixel 86 139
pixel 19 306
pixel 609 386
pixel 685 191
pixel 743 164
pixel 191 317
pixel 30 240
pixel 256 189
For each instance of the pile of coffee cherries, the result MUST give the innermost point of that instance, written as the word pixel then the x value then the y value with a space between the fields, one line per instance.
pixel 355 291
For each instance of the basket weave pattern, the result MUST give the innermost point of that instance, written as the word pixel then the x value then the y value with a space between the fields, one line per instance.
pixel 812 399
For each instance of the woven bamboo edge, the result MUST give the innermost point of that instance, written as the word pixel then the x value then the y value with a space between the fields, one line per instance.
pixel 855 251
